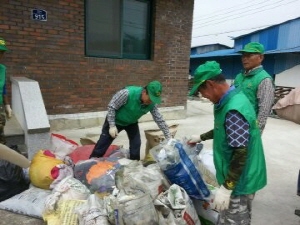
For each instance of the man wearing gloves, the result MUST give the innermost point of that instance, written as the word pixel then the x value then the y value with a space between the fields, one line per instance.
pixel 237 146
pixel 125 108
pixel 5 109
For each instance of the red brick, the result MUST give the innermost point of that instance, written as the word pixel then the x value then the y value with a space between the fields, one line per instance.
pixel 52 53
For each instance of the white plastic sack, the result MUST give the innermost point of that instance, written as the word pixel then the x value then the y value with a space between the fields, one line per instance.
pixel 177 202
pixel 136 179
pixel 61 146
pixel 92 212
pixel 30 202
pixel 135 210
pixel 205 212
pixel 67 189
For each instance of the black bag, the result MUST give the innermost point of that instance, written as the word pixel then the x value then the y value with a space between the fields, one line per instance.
pixel 12 181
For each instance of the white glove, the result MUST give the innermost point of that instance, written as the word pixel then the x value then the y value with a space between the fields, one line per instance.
pixel 222 199
pixel 8 111
pixel 194 139
pixel 113 131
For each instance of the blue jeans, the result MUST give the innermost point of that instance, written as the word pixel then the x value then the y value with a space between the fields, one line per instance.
pixel 105 140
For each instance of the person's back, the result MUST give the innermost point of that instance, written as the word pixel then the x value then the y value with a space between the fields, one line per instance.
pixel 255 82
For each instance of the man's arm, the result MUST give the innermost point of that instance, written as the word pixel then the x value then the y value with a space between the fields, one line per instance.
pixel 117 101
pixel 265 96
pixel 8 109
pixel 207 136
pixel 158 118
pixel 237 132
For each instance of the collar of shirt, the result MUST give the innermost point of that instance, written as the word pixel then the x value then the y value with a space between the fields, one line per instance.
pixel 227 92
pixel 249 71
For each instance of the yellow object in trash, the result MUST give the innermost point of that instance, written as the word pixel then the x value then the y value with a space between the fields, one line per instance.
pixel 40 169
pixel 64 215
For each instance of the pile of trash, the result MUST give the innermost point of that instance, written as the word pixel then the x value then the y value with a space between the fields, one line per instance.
pixel 66 187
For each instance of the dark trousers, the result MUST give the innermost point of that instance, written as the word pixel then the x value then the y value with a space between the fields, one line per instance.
pixel 105 140
pixel 2 124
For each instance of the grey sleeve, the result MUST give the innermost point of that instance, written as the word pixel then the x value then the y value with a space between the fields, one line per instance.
pixel 158 118
pixel 117 101
pixel 265 96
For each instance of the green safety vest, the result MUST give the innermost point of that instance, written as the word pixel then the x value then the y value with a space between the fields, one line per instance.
pixel 2 81
pixel 133 109
pixel 249 84
pixel 254 176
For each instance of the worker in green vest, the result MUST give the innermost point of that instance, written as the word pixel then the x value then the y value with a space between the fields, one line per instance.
pixel 5 109
pixel 125 108
pixel 255 82
pixel 237 146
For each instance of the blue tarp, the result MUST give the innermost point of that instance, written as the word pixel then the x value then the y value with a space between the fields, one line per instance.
pixel 232 52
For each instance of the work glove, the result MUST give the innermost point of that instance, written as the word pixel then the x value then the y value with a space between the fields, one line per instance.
pixel 8 111
pixel 113 131
pixel 222 199
pixel 194 139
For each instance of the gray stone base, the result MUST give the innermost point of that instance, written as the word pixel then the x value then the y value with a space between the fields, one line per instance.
pixel 76 121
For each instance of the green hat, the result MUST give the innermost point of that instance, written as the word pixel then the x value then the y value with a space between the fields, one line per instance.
pixel 205 72
pixel 253 47
pixel 154 89
pixel 3 45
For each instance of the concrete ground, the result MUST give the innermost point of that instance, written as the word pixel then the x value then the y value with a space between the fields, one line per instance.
pixel 274 205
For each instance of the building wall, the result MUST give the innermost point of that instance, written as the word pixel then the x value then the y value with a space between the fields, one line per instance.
pixel 207 48
pixel 52 53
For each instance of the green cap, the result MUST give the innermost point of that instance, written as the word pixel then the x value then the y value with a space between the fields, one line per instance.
pixel 253 47
pixel 205 72
pixel 154 89
pixel 3 45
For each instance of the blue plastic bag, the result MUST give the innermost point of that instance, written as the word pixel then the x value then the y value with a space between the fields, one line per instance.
pixel 187 176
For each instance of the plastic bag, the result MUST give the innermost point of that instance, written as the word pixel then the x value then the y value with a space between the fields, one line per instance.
pixel 135 210
pixel 97 174
pixel 179 169
pixel 67 189
pixel 29 202
pixel 154 138
pixel 41 168
pixel 64 215
pixel 92 212
pixel 61 146
pixel 12 180
pixel 174 204
pixel 136 179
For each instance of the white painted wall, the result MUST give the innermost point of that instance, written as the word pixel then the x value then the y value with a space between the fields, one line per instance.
pixel 289 78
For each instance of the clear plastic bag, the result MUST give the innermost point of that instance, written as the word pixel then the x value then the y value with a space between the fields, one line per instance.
pixel 137 210
pixel 179 168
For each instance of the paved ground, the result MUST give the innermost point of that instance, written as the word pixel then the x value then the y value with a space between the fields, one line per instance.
pixel 274 205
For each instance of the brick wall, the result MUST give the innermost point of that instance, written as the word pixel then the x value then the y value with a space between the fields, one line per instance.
pixel 52 53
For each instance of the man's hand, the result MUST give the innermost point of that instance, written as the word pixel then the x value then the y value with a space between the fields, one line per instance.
pixel 222 199
pixel 194 139
pixel 8 111
pixel 113 131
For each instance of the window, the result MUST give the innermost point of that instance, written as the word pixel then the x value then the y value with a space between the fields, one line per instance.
pixel 118 28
